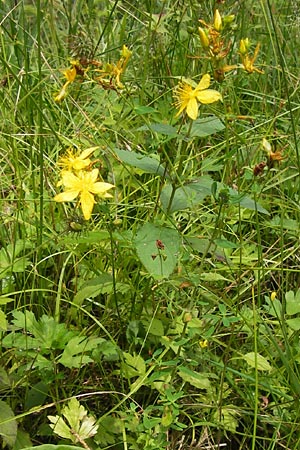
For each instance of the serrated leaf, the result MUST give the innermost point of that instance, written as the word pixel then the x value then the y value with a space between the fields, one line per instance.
pixel 257 361
pixel 194 378
pixel 80 425
pixel 157 248
pixel 8 424
pixel 142 162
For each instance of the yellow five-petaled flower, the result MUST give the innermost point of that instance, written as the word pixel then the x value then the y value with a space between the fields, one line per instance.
pixel 72 161
pixel 187 97
pixel 83 185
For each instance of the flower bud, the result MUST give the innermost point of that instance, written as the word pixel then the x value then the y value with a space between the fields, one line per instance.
pixel 203 38
pixel 217 20
pixel 244 46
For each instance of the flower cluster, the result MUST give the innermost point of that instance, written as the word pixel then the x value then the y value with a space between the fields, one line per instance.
pixel 83 68
pixel 81 181
pixel 216 45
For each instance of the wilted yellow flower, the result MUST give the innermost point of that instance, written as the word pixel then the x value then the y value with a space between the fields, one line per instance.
pixel 71 161
pixel 273 296
pixel 247 60
pixel 83 185
pixel 116 70
pixel 62 94
pixel 187 97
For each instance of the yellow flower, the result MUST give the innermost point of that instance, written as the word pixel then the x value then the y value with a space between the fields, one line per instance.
pixel 273 296
pixel 70 75
pixel 187 98
pixel 204 343
pixel 71 161
pixel 83 185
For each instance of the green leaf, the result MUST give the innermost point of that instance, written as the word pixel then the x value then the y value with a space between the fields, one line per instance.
pixel 224 243
pixel 133 365
pixel 103 284
pixel 53 447
pixel 187 196
pixel 36 395
pixel 3 321
pixel 157 248
pixel 196 379
pixel 74 354
pixel 79 422
pixel 255 360
pixel 161 128
pixel 4 300
pixel 292 302
pixel 23 440
pixel 213 277
pixel 245 202
pixel 206 126
pixel 4 379
pixel 48 334
pixel 140 109
pixel 154 327
pixel 294 324
pixel 227 418
pixel 8 424
pixel 142 162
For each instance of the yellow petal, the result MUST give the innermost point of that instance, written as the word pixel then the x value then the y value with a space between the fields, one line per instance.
pixel 209 96
pixel 70 74
pixel 70 180
pixel 93 175
pixel 87 202
pixel 204 82
pixel 87 152
pixel 192 109
pixel 101 189
pixel 66 196
pixel 79 164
